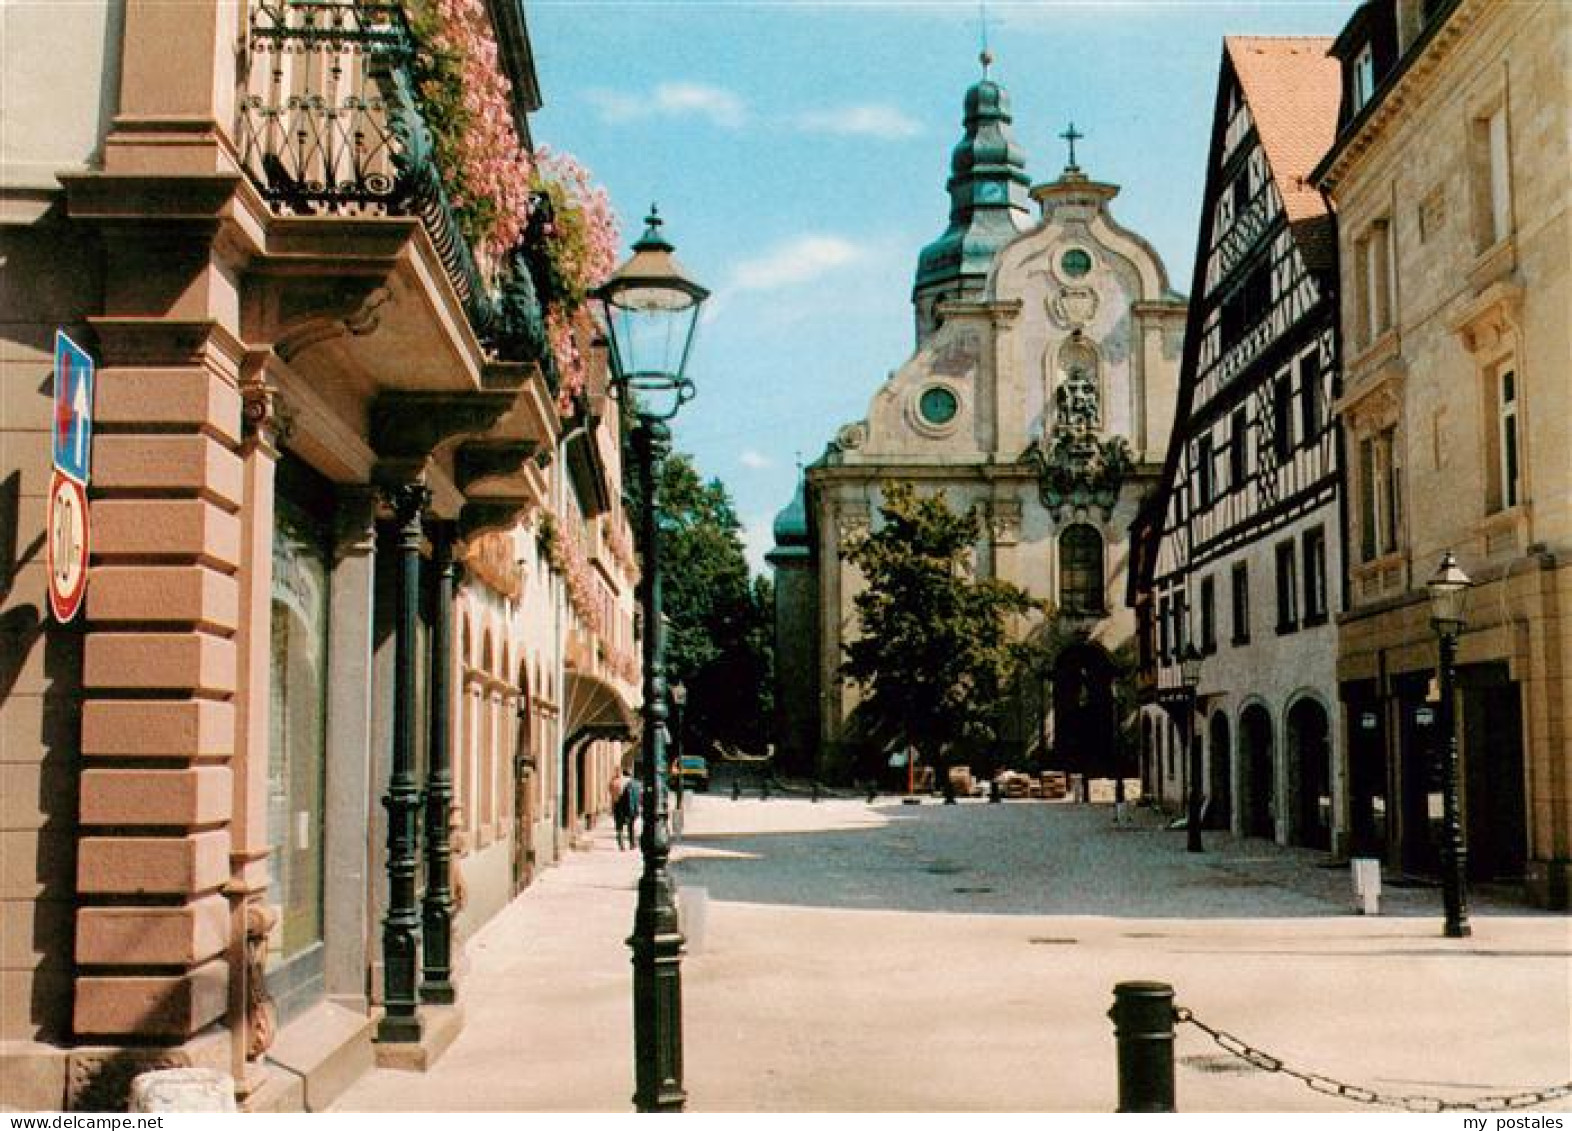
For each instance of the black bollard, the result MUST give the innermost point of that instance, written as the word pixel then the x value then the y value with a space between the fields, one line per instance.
pixel 1143 1017
pixel 816 789
pixel 873 792
pixel 764 789
pixel 736 789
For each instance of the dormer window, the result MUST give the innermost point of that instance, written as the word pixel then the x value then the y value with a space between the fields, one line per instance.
pixel 1363 77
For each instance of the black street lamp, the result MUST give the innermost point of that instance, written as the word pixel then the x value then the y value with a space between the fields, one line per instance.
pixel 1448 599
pixel 679 700
pixel 1190 672
pixel 651 307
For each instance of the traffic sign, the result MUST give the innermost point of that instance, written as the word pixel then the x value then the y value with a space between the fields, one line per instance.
pixel 73 428
pixel 65 542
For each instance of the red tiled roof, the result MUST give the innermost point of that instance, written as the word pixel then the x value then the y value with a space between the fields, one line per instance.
pixel 1292 87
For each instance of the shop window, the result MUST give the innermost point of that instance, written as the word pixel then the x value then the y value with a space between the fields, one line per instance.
pixel 297 718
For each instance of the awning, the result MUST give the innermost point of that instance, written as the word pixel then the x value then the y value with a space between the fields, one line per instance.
pixel 592 707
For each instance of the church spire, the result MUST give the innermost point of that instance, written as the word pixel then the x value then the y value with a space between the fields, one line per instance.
pixel 989 204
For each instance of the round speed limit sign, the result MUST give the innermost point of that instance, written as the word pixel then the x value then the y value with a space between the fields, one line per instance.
pixel 65 542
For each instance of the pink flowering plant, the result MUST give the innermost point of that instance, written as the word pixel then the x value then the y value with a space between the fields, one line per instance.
pixel 467 104
pixel 496 186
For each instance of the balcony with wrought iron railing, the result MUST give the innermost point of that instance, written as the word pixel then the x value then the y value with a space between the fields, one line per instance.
pixel 331 124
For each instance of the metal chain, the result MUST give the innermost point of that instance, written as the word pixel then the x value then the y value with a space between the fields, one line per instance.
pixel 1354 1093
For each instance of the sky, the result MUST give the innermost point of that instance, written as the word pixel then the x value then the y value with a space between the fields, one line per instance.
pixel 798 151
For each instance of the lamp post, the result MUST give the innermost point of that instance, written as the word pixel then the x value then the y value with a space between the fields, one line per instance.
pixel 1448 599
pixel 679 700
pixel 1190 672
pixel 651 307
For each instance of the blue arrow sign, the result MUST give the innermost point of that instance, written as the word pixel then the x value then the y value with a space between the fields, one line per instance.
pixel 73 427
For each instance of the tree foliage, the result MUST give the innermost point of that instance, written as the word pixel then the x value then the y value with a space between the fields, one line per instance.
pixel 718 619
pixel 935 657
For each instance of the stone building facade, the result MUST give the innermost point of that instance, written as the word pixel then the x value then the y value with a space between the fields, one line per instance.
pixel 1452 177
pixel 1041 393
pixel 1239 553
pixel 323 652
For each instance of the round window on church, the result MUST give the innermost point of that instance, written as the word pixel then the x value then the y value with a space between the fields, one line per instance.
pixel 1076 262
pixel 938 405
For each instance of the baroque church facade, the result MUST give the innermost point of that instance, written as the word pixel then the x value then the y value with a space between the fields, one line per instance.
pixel 1040 394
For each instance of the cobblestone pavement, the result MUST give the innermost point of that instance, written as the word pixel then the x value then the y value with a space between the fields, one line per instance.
pixel 844 957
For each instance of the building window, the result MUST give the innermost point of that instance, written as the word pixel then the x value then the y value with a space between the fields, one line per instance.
pixel 1374 282
pixel 1287 587
pixel 1282 416
pixel 297 715
pixel 1205 481
pixel 1208 616
pixel 1379 481
pixel 1237 450
pixel 1505 483
pixel 1311 411
pixel 1241 603
pixel 1363 77
pixel 1492 179
pixel 1081 570
pixel 1316 607
pixel 1164 624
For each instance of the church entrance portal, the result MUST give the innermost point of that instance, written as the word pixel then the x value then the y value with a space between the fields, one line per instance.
pixel 1083 713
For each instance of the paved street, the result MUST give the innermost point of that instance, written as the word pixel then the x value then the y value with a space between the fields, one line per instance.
pixel 933 958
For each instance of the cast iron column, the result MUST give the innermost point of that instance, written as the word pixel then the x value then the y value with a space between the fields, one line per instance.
pixel 1454 852
pixel 436 981
pixel 401 924
pixel 1193 824
pixel 657 939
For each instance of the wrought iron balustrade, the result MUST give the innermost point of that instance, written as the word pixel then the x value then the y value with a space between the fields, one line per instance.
pixel 329 125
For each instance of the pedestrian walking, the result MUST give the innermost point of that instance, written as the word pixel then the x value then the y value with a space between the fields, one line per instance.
pixel 625 810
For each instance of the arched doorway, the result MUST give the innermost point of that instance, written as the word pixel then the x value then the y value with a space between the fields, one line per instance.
pixel 1255 734
pixel 1083 712
pixel 1310 759
pixel 1219 758
pixel 1149 770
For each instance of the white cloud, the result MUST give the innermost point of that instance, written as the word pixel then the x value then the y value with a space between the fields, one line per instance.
pixel 671 100
pixel 866 120
pixel 801 260
pixel 758 539
pixel 754 460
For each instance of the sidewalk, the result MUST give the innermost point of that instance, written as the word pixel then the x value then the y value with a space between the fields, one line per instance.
pixel 795 1007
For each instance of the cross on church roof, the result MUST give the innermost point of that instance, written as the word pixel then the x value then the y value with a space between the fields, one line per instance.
pixel 984 55
pixel 1072 135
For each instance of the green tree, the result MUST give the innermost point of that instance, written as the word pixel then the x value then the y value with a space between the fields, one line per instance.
pixel 935 657
pixel 718 639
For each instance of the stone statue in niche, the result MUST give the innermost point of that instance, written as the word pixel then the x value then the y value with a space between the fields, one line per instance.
pixel 1077 400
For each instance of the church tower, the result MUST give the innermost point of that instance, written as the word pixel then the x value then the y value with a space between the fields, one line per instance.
pixel 989 205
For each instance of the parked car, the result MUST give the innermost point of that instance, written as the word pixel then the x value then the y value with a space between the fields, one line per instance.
pixel 691 772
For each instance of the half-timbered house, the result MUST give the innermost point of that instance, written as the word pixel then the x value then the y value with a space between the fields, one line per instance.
pixel 1238 552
